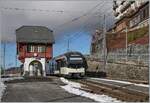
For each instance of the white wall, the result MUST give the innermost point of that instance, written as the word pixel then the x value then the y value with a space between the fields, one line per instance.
pixel 29 60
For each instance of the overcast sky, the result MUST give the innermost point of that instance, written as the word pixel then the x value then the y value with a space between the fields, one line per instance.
pixel 76 20
pixel 62 17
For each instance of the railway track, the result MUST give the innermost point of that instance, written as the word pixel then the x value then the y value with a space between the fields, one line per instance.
pixel 122 92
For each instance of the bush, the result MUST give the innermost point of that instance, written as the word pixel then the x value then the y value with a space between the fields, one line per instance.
pixel 2 71
pixel 133 35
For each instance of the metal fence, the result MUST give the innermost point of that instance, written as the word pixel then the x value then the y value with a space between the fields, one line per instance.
pixel 142 59
pixel 137 58
pixel 138 54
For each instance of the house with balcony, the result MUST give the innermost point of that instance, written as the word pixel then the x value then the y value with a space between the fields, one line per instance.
pixel 130 33
pixel 132 21
pixel 125 7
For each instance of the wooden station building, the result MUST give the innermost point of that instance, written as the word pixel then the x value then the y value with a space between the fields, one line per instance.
pixel 34 49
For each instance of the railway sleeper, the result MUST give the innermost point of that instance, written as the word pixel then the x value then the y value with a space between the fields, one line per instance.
pixel 123 88
pixel 121 94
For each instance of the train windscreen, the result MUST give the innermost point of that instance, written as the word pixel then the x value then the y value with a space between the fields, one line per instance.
pixel 75 62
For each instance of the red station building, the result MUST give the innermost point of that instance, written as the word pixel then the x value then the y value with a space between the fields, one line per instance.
pixel 34 49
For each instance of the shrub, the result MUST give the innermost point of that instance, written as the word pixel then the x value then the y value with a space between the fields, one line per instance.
pixel 133 35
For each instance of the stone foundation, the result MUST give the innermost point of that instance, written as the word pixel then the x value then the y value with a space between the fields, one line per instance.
pixel 123 71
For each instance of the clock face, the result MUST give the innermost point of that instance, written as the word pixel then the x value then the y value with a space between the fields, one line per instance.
pixel 35 54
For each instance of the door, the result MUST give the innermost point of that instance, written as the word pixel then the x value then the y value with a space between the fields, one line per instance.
pixel 35 68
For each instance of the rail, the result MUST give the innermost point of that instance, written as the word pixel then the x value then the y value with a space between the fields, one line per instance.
pixel 120 92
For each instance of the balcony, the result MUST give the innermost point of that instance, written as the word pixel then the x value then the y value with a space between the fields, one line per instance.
pixel 125 7
pixel 129 12
pixel 122 2
pixel 115 7
pixel 116 14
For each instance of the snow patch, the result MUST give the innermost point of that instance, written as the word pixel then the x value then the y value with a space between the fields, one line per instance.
pixel 124 82
pixel 11 78
pixel 70 83
pixel 2 88
pixel 75 88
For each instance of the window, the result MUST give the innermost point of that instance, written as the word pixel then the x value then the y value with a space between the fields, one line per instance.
pixel 36 48
pixel 135 21
pixel 146 13
pixel 41 49
pixel 30 48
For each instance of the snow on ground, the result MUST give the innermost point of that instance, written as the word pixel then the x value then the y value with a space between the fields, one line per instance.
pixel 75 88
pixel 3 86
pixel 10 78
pixel 124 82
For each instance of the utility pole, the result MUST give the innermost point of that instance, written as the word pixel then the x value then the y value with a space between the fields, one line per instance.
pixel 4 57
pixel 16 60
pixel 126 43
pixel 68 45
pixel 104 42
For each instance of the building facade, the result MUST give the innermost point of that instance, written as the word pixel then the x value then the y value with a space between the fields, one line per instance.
pixel 133 16
pixel 125 7
pixel 34 49
pixel 129 38
pixel 130 33
pixel 97 43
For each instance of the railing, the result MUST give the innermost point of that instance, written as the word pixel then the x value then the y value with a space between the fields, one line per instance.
pixel 136 59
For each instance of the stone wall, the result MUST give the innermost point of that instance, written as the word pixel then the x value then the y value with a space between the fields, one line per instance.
pixel 123 71
pixel 135 53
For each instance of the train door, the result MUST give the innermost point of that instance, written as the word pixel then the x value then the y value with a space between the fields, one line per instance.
pixel 58 65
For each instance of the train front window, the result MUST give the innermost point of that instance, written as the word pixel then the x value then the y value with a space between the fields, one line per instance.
pixel 75 65
pixel 75 58
pixel 75 62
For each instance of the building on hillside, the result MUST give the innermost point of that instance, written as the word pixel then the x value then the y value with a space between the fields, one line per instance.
pixel 134 18
pixel 34 49
pixel 129 35
pixel 97 43
pixel 140 18
pixel 125 7
pixel 133 22
pixel 131 31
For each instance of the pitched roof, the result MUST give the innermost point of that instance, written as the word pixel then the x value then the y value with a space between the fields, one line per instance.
pixel 34 34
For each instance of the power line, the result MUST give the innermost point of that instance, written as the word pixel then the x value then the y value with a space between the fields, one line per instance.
pixel 35 10
pixel 89 18
pixel 77 34
pixel 104 27
pixel 79 17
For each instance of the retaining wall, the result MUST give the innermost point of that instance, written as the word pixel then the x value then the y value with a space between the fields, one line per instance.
pixel 120 70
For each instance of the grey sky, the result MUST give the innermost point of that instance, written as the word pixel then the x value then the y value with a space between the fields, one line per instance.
pixel 63 17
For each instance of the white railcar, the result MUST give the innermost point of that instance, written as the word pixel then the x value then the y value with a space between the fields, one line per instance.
pixel 68 64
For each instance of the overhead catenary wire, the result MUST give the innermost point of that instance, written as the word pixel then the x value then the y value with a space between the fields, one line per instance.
pixel 56 11
pixel 104 27
pixel 83 27
pixel 35 10
pixel 90 16
pixel 79 17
